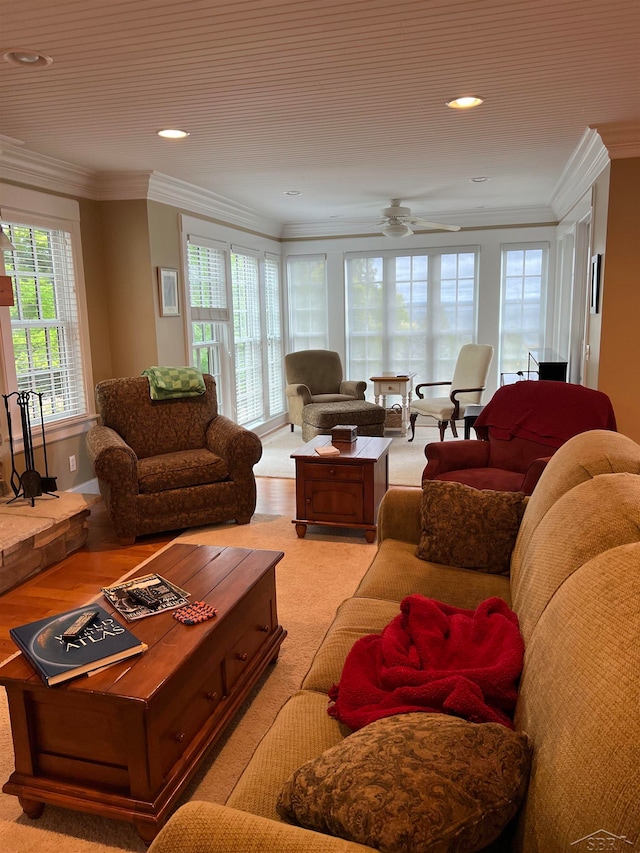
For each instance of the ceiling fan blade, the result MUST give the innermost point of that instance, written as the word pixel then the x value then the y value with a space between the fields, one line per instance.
pixel 439 225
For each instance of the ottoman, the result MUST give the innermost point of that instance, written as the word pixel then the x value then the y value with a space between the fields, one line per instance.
pixel 320 418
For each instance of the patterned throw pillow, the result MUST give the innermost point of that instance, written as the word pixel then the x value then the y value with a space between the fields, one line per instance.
pixel 419 782
pixel 469 528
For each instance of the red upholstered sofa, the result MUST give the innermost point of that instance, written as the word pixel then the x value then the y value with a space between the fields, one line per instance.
pixel 519 429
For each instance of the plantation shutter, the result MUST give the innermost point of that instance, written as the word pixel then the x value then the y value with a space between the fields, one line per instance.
pixel 275 400
pixel 245 284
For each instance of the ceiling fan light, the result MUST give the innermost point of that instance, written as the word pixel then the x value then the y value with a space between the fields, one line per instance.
pixel 396 229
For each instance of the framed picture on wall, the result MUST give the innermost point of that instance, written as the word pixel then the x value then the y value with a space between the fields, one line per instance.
pixel 596 262
pixel 168 289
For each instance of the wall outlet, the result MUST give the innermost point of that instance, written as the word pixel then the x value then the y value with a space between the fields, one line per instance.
pixel 72 463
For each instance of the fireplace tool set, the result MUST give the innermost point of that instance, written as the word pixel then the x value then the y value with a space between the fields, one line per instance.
pixel 30 484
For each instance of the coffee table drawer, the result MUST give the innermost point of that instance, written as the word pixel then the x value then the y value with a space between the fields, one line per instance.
pixel 187 711
pixel 259 624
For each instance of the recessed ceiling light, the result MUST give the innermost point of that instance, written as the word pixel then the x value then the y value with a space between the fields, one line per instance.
pixel 292 192
pixel 465 102
pixel 27 58
pixel 480 179
pixel 173 134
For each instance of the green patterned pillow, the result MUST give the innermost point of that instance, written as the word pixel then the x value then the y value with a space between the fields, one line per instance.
pixel 428 783
pixel 469 528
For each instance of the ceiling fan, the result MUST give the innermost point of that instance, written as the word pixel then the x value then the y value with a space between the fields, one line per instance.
pixel 397 221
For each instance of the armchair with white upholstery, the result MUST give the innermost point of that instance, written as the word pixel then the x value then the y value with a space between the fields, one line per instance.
pixel 466 387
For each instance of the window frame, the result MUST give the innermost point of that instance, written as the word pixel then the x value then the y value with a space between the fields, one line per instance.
pixel 39 210
pixel 433 365
pixel 543 329
pixel 298 339
pixel 271 335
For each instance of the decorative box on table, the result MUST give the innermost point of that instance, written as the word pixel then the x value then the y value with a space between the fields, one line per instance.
pixel 344 433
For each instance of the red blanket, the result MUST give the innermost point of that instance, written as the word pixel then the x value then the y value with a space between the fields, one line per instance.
pixel 434 657
pixel 546 412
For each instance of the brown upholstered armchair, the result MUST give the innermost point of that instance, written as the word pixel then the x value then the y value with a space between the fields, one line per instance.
pixel 170 464
pixel 315 376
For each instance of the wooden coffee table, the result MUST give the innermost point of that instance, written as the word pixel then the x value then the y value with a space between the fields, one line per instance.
pixel 344 490
pixel 124 742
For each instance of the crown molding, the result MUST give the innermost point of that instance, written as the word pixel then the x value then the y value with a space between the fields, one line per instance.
pixel 621 138
pixel 22 166
pixel 490 218
pixel 155 186
pixel 578 176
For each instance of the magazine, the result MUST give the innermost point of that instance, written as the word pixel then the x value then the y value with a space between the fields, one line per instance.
pixel 161 595
pixel 104 641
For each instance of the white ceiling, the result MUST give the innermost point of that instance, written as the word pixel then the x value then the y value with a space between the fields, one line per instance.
pixel 343 100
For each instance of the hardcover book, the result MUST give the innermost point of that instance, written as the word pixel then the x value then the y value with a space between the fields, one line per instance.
pixel 103 642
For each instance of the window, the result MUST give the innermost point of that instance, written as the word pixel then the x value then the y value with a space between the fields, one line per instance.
pixel 208 308
pixel 236 326
pixel 523 304
pixel 410 312
pixel 44 353
pixel 307 283
pixel 275 357
pixel 245 283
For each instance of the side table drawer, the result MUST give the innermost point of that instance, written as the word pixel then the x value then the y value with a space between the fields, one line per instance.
pixel 326 471
pixel 393 387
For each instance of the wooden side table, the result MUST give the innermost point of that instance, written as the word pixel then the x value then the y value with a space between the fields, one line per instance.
pixel 470 417
pixel 344 490
pixel 390 385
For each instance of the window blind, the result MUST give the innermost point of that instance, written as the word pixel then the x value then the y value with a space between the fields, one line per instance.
pixel 523 304
pixel 45 327
pixel 275 357
pixel 410 311
pixel 207 281
pixel 308 315
pixel 245 281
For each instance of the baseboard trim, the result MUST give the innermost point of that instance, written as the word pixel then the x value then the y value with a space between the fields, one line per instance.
pixel 91 487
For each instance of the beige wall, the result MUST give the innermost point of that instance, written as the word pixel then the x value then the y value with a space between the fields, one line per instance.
pixel 96 288
pixel 619 369
pixel 130 286
pixel 164 243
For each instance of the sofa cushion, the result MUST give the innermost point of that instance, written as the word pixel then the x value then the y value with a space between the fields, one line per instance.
pixel 418 781
pixel 467 527
pixel 397 572
pixel 498 479
pixel 302 730
pixel 177 470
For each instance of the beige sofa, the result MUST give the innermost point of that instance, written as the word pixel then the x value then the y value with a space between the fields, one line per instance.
pixel 575 585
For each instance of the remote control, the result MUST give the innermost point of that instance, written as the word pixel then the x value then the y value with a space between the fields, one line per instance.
pixel 76 628
pixel 144 596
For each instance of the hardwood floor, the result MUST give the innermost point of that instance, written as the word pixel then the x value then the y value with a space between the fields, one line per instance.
pixel 102 561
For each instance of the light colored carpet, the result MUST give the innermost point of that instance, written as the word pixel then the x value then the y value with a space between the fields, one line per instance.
pixel 406 459
pixel 315 575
